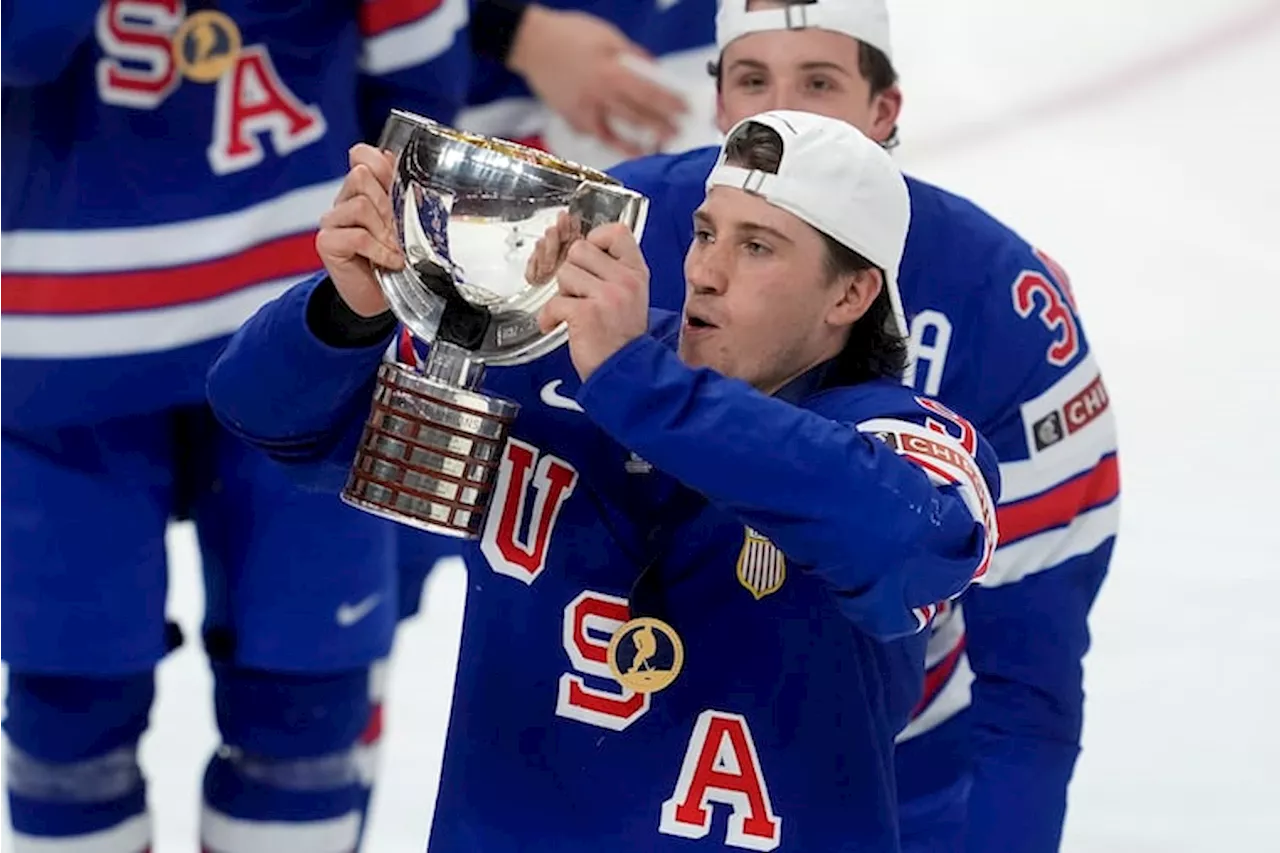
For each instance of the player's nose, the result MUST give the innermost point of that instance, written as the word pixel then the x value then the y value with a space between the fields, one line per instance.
pixel 704 271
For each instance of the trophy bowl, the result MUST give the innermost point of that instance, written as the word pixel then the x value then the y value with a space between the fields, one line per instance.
pixel 469 212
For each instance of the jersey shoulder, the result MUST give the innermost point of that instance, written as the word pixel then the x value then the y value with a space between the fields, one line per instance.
pixel 924 430
pixel 665 173
pixel 888 400
pixel 1003 307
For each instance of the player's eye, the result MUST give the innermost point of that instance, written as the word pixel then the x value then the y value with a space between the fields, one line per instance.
pixel 702 235
pixel 822 84
pixel 756 248
pixel 751 81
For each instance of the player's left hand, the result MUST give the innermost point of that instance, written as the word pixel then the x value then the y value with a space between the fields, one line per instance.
pixel 603 297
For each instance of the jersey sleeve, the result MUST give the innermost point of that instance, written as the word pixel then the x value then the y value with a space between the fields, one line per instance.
pixel 1058 514
pixel 415 56
pixel 38 40
pixel 279 388
pixel 892 529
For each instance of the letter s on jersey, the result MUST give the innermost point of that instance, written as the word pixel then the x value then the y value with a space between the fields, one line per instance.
pixel 137 70
pixel 590 620
pixel 137 32
pixel 721 766
pixel 1054 297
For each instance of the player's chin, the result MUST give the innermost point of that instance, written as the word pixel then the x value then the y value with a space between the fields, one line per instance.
pixel 697 350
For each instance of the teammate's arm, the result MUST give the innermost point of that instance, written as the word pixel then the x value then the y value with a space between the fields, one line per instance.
pixel 38 39
pixel 1028 625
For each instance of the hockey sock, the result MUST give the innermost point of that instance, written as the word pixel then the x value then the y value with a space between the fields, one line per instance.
pixel 71 762
pixel 296 767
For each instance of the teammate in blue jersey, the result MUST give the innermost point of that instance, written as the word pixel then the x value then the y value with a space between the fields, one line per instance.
pixel 164 163
pixel 986 761
pixel 799 517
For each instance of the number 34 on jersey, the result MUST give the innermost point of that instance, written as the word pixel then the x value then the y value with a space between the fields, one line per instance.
pixel 150 48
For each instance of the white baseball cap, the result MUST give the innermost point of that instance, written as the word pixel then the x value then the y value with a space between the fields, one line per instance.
pixel 837 180
pixel 865 20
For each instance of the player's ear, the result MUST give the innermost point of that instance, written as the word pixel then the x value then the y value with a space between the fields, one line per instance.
pixel 854 295
pixel 886 106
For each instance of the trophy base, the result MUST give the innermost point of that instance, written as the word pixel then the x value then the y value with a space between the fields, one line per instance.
pixel 429 454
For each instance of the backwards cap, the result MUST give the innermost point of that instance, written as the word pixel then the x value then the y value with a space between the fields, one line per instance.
pixel 865 20
pixel 835 179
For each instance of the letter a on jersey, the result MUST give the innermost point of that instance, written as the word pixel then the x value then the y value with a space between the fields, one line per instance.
pixel 514 545
pixel 721 766
pixel 251 100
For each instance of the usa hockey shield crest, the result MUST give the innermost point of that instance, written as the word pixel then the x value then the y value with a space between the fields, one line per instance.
pixel 762 568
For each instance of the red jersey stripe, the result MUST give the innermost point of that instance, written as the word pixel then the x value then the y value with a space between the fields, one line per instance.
pixel 1060 504
pixel 91 293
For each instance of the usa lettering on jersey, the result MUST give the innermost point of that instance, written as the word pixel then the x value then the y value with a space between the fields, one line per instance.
pixel 589 693
pixel 138 71
pixel 552 480
pixel 721 766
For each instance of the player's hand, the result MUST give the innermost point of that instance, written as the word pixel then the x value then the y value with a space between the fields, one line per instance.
pixel 359 231
pixel 572 62
pixel 603 296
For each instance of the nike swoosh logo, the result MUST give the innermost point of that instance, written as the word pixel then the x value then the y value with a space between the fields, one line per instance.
pixel 556 400
pixel 350 614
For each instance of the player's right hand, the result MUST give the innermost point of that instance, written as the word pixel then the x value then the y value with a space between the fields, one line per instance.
pixel 359 231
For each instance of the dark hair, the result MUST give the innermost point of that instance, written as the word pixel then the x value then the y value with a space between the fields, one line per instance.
pixel 874 66
pixel 875 348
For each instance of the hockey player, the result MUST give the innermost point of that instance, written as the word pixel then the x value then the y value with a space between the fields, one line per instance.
pixel 719 645
pixel 163 167
pixel 996 336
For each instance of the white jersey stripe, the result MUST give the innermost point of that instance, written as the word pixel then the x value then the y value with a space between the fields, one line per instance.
pixel 171 244
pixel 416 42
pixel 220 833
pixel 1047 550
pixel 133 332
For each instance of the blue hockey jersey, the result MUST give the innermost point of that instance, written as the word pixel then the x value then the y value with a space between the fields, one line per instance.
pixel 164 167
pixel 797 549
pixel 997 338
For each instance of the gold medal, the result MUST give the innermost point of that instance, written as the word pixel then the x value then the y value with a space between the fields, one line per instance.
pixel 206 45
pixel 646 655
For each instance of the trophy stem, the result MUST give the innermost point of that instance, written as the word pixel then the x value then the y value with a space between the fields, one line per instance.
pixel 453 365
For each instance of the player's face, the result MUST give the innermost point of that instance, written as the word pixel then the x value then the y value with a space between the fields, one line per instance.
pixel 760 303
pixel 813 71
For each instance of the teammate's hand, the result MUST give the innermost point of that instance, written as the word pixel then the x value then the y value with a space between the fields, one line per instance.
pixel 552 248
pixel 572 62
pixel 603 296
pixel 359 231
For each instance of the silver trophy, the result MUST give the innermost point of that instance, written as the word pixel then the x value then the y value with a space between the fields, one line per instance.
pixel 469 211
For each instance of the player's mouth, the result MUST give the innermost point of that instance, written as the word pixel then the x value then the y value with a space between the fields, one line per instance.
pixel 696 323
